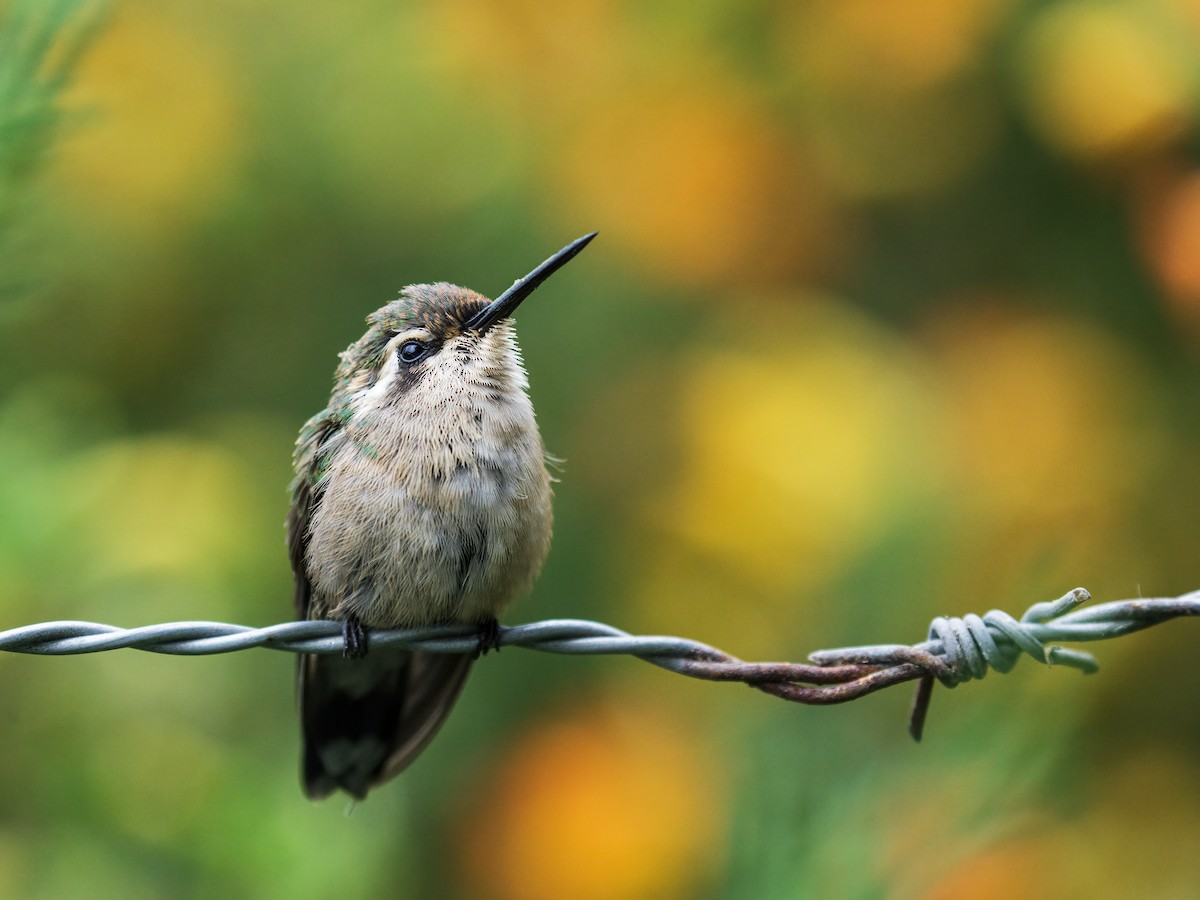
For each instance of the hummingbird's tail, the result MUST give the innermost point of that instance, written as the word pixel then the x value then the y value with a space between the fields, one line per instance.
pixel 364 720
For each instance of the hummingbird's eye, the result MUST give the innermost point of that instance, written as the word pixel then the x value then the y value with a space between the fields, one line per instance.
pixel 413 351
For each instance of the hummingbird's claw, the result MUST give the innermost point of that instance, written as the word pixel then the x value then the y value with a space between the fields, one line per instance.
pixel 354 637
pixel 489 637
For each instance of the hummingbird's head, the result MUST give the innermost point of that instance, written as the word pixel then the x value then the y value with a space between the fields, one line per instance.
pixel 441 338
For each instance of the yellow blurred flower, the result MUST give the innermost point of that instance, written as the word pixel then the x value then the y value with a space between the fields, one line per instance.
pixel 796 434
pixel 1039 417
pixel 157 505
pixel 891 47
pixel 800 437
pixel 609 801
pixel 157 121
pixel 1103 79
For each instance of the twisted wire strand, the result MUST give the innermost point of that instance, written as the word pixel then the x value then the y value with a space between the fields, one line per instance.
pixel 956 649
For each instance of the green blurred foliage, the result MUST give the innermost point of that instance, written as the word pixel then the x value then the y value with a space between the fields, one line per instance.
pixel 895 312
pixel 40 44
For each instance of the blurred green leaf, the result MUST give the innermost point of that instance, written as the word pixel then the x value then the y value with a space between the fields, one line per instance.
pixel 40 45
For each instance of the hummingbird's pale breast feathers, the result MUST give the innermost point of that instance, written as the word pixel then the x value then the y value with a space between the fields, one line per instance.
pixel 434 496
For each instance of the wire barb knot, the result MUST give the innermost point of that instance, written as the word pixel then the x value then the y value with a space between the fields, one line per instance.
pixel 971 645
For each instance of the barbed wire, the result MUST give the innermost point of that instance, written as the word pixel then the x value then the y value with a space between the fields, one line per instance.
pixel 956 650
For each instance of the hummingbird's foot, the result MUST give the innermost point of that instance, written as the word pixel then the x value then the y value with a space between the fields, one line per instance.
pixel 354 638
pixel 489 637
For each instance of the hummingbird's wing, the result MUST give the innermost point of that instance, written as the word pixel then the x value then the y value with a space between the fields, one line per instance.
pixel 308 461
pixel 363 720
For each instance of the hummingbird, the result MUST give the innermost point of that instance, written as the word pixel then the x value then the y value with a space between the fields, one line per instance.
pixel 421 497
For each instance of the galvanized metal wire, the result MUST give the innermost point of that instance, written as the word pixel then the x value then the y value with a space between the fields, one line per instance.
pixel 956 649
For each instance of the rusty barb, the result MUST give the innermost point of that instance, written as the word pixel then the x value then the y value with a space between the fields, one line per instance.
pixel 956 649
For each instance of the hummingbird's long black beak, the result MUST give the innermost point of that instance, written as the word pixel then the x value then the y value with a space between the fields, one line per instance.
pixel 504 305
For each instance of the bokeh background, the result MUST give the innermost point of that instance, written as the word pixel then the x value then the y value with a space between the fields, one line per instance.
pixel 895 311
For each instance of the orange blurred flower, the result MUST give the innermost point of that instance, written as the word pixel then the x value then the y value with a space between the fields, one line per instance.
pixel 1135 837
pixel 607 801
pixel 696 183
pixel 1171 235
